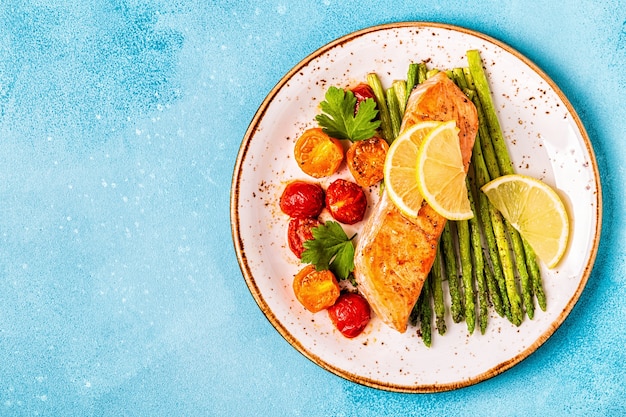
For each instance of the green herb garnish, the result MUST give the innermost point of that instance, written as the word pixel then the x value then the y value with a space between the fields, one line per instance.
pixel 331 249
pixel 338 119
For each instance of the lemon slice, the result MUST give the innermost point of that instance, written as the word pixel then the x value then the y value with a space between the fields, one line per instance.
pixel 441 174
pixel 399 170
pixel 535 210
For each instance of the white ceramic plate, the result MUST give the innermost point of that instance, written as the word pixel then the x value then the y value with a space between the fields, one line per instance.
pixel 546 140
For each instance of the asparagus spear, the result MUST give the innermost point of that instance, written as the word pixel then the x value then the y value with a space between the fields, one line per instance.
pixel 483 299
pixel 484 94
pixel 447 247
pixel 431 73
pixel 486 145
pixel 484 224
pixel 416 312
pixel 399 87
pixel 426 313
pixel 379 94
pixel 526 283
pixel 499 230
pixel 411 79
pixel 479 266
pixel 394 111
pixel 437 294
pixel 494 292
pixel 466 273
pixel 459 78
pixel 421 72
pixel 535 274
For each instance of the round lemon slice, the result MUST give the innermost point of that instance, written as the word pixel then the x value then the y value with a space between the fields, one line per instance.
pixel 440 173
pixel 399 170
pixel 535 210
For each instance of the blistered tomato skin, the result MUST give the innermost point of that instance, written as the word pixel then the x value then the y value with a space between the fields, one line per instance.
pixel 366 160
pixel 302 199
pixel 299 231
pixel 315 290
pixel 346 201
pixel 317 154
pixel 350 314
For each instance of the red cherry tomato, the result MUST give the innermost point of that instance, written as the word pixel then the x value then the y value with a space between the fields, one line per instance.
pixel 299 231
pixel 302 199
pixel 346 201
pixel 362 92
pixel 350 314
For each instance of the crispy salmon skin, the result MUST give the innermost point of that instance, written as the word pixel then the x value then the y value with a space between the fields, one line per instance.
pixel 395 253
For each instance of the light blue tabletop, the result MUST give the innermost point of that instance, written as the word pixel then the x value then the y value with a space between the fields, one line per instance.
pixel 121 295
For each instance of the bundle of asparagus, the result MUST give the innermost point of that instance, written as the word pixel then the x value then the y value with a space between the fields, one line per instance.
pixel 484 260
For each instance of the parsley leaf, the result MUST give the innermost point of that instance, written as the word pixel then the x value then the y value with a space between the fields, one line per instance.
pixel 331 249
pixel 338 119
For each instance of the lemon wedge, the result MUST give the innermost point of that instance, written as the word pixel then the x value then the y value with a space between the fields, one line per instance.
pixel 440 173
pixel 535 210
pixel 399 170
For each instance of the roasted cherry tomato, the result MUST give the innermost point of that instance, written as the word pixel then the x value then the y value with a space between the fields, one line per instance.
pixel 350 314
pixel 299 231
pixel 316 290
pixel 362 92
pixel 366 160
pixel 346 201
pixel 317 154
pixel 302 199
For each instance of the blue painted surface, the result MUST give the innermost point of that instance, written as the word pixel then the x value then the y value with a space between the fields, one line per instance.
pixel 120 122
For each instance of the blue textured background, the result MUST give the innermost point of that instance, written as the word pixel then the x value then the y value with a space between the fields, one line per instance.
pixel 120 293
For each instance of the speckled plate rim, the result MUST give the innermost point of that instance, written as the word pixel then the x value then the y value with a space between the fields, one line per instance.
pixel 248 274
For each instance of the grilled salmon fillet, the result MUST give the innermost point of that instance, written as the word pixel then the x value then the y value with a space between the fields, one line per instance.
pixel 395 253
